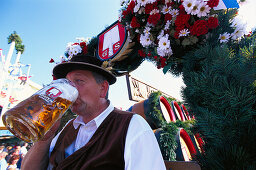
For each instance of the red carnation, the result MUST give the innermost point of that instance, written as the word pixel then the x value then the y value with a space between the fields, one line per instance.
pixel 170 4
pixel 182 20
pixel 200 27
pixel 176 34
pixel 177 31
pixel 141 53
pixel 84 47
pixel 125 12
pixel 167 17
pixel 182 9
pixel 155 57
pixel 82 44
pixel 180 28
pixel 51 61
pixel 135 23
pixel 213 3
pixel 75 44
pixel 163 64
pixel 153 19
pixel 131 6
pixel 149 8
pixel 155 4
pixel 213 22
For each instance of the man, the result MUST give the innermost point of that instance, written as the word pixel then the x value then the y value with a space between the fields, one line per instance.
pixel 3 162
pixel 101 137
pixel 23 152
pixel 23 149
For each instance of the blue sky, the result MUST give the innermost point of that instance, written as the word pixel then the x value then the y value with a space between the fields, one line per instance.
pixel 46 26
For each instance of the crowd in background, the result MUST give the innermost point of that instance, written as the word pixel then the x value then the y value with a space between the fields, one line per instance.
pixel 11 155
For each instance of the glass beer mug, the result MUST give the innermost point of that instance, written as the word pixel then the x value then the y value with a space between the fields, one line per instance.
pixel 30 119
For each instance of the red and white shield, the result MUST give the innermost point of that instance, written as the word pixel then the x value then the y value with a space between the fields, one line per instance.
pixel 111 41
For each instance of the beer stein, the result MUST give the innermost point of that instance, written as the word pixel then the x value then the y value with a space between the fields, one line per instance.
pixel 30 119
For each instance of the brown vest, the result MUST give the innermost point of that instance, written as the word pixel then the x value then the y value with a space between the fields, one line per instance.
pixel 105 150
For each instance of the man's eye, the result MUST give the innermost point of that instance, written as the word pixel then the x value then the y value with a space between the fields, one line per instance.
pixel 79 81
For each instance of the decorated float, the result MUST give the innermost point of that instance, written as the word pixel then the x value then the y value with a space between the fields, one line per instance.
pixel 15 83
pixel 205 42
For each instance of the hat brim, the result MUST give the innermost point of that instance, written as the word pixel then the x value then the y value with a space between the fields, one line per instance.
pixel 61 70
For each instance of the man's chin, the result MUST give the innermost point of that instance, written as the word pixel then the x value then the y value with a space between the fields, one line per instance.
pixel 73 108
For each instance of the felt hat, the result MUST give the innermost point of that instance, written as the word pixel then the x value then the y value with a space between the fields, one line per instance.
pixel 83 62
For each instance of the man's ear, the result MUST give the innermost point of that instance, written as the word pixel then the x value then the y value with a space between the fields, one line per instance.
pixel 104 89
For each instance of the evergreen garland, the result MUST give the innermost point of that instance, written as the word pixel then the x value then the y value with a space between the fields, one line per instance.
pixel 153 112
pixel 220 92
pixel 166 132
pixel 167 141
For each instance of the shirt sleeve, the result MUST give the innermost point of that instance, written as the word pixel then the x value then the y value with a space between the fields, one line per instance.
pixel 141 147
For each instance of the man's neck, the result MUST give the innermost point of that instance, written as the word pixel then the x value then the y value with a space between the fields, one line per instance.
pixel 98 110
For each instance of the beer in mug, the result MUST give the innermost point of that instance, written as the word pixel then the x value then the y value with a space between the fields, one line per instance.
pixel 30 119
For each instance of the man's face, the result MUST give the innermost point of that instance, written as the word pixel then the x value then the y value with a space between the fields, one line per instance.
pixel 15 161
pixel 18 148
pixel 90 92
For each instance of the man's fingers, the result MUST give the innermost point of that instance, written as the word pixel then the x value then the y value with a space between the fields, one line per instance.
pixel 51 133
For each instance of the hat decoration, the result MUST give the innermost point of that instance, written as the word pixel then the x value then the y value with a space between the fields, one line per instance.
pixel 80 55
pixel 168 29
pixel 128 61
pixel 71 50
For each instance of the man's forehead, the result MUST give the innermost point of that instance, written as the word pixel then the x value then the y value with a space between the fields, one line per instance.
pixel 80 73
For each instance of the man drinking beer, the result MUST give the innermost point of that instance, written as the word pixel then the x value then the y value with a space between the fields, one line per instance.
pixel 101 136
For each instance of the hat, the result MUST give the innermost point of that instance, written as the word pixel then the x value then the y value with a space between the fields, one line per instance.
pixel 83 62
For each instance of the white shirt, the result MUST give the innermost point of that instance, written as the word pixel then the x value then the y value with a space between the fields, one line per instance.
pixel 141 147
pixel 23 150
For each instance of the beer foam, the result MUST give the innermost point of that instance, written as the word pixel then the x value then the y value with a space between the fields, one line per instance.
pixel 60 88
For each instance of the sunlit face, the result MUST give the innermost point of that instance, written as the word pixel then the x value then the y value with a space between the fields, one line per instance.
pixel 90 92
pixel 18 148
pixel 15 161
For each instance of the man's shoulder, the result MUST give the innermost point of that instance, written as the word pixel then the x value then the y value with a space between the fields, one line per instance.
pixel 122 112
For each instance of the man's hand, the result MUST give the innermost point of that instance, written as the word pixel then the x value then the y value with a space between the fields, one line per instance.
pixel 38 156
pixel 52 132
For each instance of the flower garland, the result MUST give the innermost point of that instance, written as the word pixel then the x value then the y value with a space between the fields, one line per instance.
pixel 167 29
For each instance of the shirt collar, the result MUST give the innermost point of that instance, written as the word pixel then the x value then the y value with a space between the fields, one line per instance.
pixel 97 120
